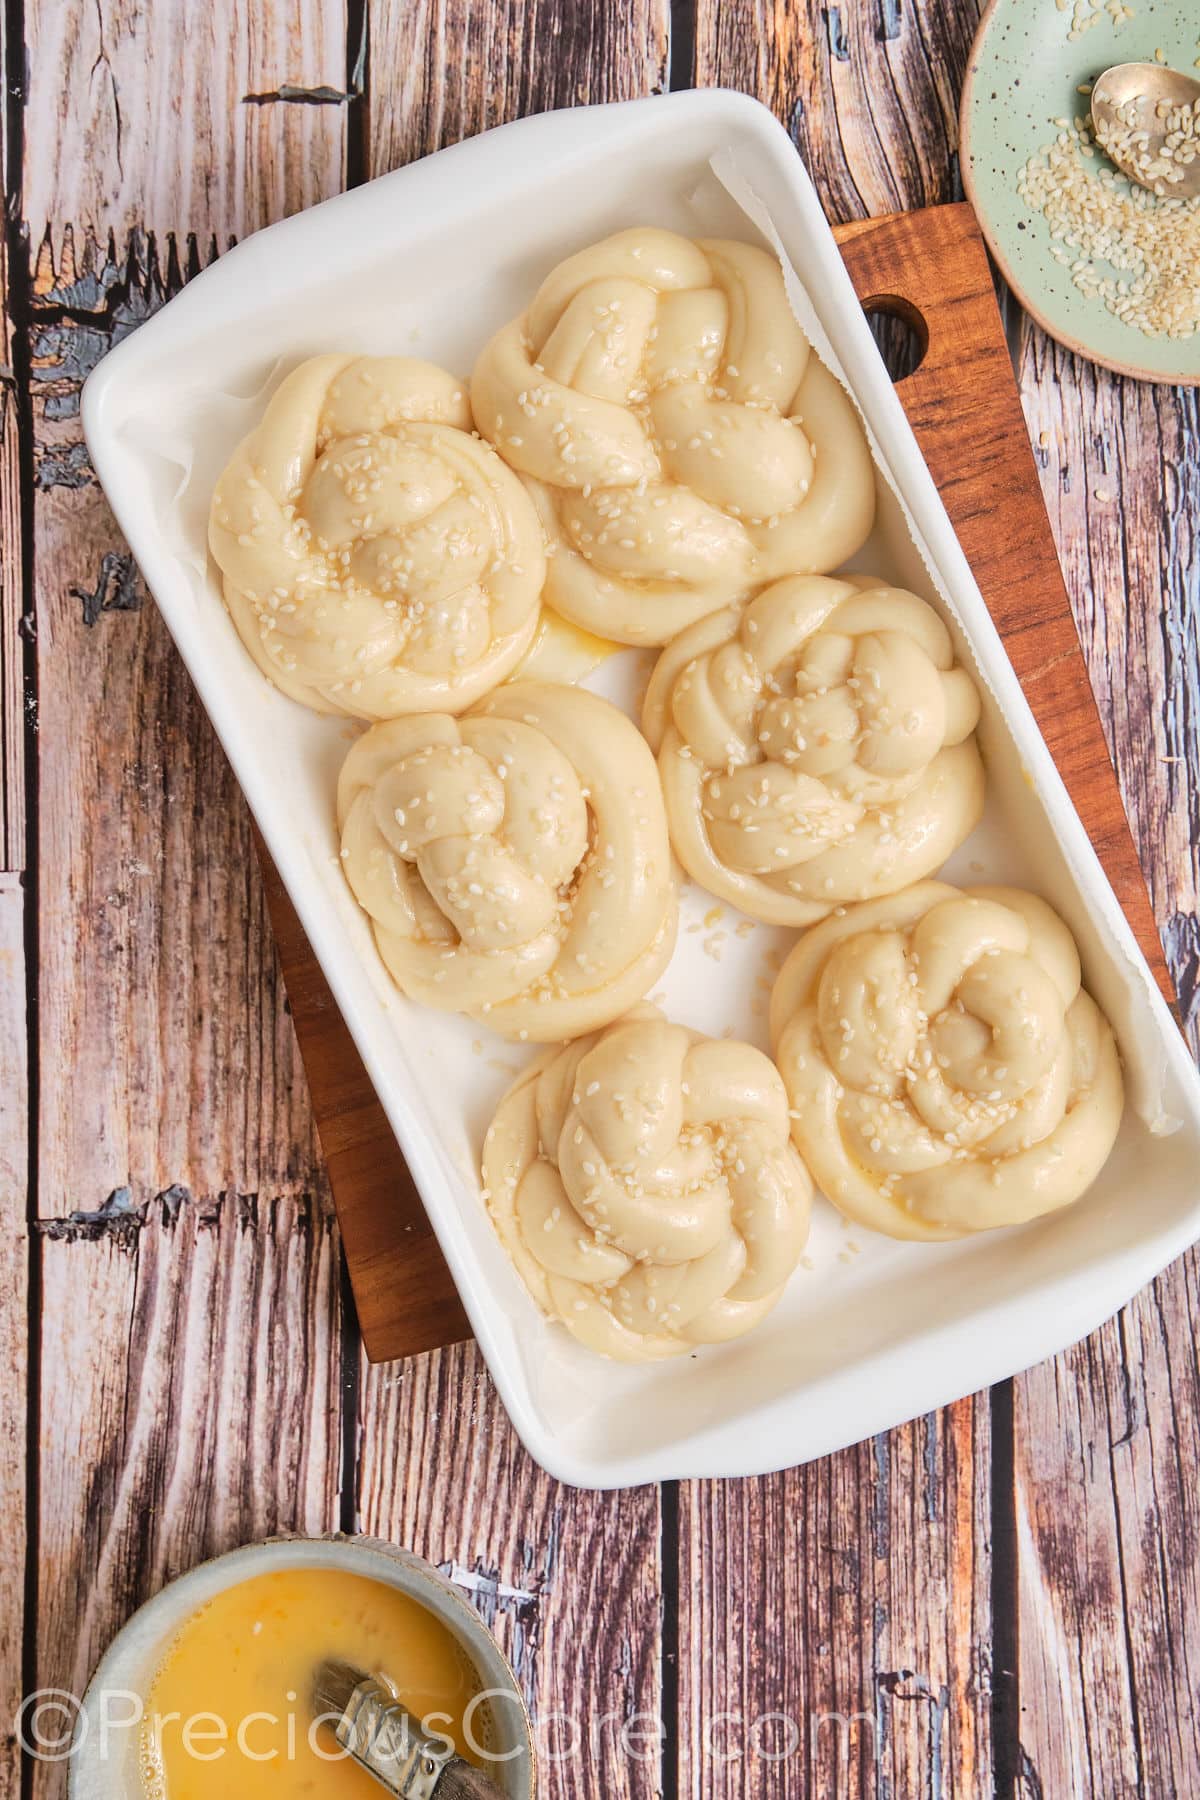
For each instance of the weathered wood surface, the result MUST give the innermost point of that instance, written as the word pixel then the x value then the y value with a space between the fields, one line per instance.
pixel 14 1328
pixel 404 1295
pixel 440 73
pixel 163 124
pixel 570 1581
pixel 1008 1590
pixel 194 1400
pixel 1106 1436
pixel 14 1036
pixel 191 1405
pixel 12 598
pixel 1107 1441
pixel 835 1621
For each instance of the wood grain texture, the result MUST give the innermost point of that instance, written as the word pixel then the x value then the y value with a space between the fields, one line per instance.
pixel 156 974
pixel 1106 1437
pixel 193 1402
pixel 167 1056
pixel 189 1406
pixel 1120 469
pixel 15 1449
pixel 154 122
pixel 835 1621
pixel 1108 1442
pixel 568 1580
pixel 14 1327
pixel 440 73
pixel 405 1297
pixel 868 90
pixel 12 598
pixel 168 1059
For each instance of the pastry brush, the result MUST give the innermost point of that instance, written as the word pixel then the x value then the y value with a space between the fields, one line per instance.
pixel 384 1738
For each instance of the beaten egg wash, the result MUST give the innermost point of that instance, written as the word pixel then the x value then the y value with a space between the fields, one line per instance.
pixel 230 1711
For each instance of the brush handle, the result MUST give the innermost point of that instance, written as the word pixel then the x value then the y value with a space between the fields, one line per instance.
pixel 382 1735
pixel 460 1781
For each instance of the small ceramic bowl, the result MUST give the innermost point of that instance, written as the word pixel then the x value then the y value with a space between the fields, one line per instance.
pixel 111 1771
pixel 1029 60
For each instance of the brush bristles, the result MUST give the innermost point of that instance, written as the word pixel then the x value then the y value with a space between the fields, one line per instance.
pixel 462 1782
pixel 333 1685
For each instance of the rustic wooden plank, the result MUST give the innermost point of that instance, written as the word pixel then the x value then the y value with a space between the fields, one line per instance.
pixel 835 1620
pixel 568 1580
pixel 1120 468
pixel 12 599
pixel 14 1327
pixel 168 1057
pixel 14 1028
pixel 868 89
pixel 157 975
pixel 405 1296
pixel 1106 1437
pixel 191 1405
pixel 195 1401
pixel 440 73
pixel 158 123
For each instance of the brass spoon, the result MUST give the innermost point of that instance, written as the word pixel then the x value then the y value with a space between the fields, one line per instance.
pixel 1146 117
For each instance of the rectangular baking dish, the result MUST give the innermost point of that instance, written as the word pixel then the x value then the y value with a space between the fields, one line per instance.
pixel 427 262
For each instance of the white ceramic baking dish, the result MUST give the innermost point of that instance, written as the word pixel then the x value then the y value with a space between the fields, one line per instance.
pixel 428 261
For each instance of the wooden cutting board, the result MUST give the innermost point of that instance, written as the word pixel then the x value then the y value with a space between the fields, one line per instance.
pixel 930 268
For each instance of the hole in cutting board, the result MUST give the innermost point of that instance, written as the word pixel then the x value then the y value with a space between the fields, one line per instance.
pixel 900 331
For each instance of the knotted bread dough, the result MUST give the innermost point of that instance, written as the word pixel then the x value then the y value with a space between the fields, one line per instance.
pixel 815 746
pixel 515 862
pixel 642 1181
pixel 681 442
pixel 947 1072
pixel 378 558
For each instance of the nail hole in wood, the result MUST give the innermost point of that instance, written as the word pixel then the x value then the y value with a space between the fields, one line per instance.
pixel 900 331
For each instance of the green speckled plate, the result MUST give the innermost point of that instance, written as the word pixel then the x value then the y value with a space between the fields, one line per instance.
pixel 1025 71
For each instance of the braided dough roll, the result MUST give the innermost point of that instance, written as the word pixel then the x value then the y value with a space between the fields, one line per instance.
pixel 514 862
pixel 642 1181
pixel 947 1072
pixel 378 558
pixel 681 443
pixel 815 746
